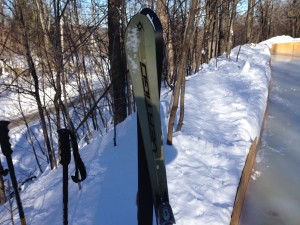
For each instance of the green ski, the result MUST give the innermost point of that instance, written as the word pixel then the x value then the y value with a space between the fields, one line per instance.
pixel 141 52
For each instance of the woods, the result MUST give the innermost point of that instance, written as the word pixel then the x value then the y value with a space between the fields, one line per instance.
pixel 68 56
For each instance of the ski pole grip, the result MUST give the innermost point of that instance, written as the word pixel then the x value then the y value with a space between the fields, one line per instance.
pixel 4 138
pixel 64 145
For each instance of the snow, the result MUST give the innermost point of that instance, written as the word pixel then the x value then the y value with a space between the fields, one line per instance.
pixel 9 99
pixel 132 44
pixel 223 115
pixel 280 39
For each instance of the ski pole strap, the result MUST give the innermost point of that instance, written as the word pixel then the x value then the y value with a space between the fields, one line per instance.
pixel 64 145
pixel 3 172
pixel 79 166
pixel 4 138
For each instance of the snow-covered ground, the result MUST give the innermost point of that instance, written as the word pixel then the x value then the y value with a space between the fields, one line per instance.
pixel 223 115
pixel 16 100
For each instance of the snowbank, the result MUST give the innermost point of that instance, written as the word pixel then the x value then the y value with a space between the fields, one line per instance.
pixel 280 39
pixel 224 114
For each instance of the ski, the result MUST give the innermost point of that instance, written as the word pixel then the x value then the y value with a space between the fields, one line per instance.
pixel 145 206
pixel 143 45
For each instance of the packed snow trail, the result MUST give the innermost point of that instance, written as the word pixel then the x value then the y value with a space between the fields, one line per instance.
pixel 273 195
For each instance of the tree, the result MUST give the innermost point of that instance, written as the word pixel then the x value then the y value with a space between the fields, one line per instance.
pixel 2 188
pixel 293 15
pixel 223 26
pixel 117 70
pixel 164 15
pixel 1 13
pixel 180 84
pixel 231 24
pixel 19 31
pixel 52 43
pixel 265 20
pixel 249 21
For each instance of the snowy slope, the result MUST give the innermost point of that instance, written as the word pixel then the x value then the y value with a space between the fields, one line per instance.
pixel 223 115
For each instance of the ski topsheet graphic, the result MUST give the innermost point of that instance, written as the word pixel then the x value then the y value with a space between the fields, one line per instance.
pixel 142 39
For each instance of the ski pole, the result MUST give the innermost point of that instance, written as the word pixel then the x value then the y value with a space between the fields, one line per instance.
pixel 65 158
pixel 7 151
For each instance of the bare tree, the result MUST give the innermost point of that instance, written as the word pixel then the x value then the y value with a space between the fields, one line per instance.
pixel 230 27
pixel 223 22
pixel 116 50
pixel 2 187
pixel 293 14
pixel 180 84
pixel 164 15
pixel 21 5
pixel 54 55
pixel 1 13
pixel 249 21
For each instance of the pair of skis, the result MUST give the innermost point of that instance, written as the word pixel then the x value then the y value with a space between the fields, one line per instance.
pixel 144 52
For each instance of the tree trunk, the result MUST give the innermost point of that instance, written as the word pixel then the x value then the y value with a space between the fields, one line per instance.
pixel 1 13
pixel 58 60
pixel 2 188
pixel 206 33
pixel 162 12
pixel 41 113
pixel 265 21
pixel 223 27
pixel 212 40
pixel 180 84
pixel 231 31
pixel 34 76
pixel 41 11
pixel 249 21
pixel 116 66
pixel 30 133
